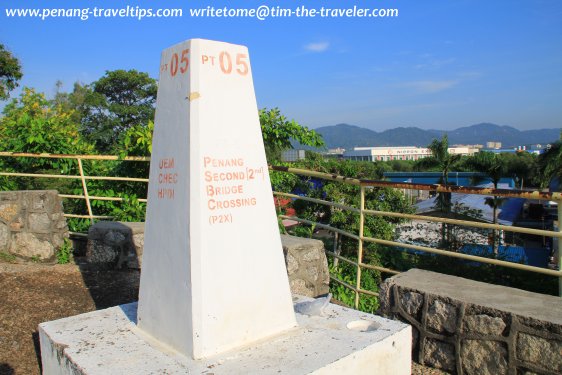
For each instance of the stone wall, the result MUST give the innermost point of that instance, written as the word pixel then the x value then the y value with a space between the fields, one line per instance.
pixel 468 327
pixel 32 224
pixel 307 266
pixel 115 245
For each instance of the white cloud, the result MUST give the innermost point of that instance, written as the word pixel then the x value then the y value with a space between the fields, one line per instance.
pixel 317 47
pixel 429 86
pixel 432 63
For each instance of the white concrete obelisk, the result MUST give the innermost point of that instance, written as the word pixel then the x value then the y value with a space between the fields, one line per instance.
pixel 213 275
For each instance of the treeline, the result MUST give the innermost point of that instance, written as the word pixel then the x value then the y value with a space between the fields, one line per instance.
pixel 110 116
pixel 113 115
pixel 523 167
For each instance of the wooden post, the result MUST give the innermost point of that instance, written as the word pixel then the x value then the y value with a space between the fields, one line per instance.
pixel 85 188
pixel 360 246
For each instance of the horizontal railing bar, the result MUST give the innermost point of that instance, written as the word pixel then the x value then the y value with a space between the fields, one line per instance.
pixel 537 232
pixel 535 194
pixel 13 174
pixel 365 291
pixel 103 178
pixel 434 251
pixel 377 268
pixel 324 226
pixel 319 201
pixel 88 216
pixel 132 179
pixel 325 176
pixel 78 234
pixel 77 216
pixel 93 197
pixel 349 261
pixel 72 196
pixel 475 258
pixel 343 283
pixel 362 265
pixel 375 294
pixel 76 156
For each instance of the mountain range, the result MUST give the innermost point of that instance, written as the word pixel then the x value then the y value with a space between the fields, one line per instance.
pixel 349 136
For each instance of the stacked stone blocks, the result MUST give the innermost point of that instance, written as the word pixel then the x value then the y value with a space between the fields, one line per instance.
pixel 116 245
pixel 465 336
pixel 307 266
pixel 32 224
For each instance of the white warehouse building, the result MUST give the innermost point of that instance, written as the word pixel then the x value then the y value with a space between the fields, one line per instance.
pixel 400 153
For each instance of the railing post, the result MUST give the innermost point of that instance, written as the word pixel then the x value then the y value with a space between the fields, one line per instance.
pixel 85 188
pixel 360 245
pixel 559 240
pixel 336 249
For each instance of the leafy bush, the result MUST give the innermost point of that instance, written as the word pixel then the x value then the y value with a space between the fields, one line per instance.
pixel 64 253
pixel 78 225
pixel 32 124
pixel 130 209
pixel 278 133
pixel 380 199
pixel 348 274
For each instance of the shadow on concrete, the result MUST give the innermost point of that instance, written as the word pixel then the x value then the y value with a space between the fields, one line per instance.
pixel 6 369
pixel 109 287
pixel 106 275
pixel 130 311
pixel 37 346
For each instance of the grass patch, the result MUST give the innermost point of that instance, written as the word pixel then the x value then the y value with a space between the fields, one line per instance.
pixel 6 257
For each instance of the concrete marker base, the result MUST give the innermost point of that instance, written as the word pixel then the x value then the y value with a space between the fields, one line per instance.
pixel 343 341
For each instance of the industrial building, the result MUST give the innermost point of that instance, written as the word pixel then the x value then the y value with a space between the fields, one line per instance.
pixel 400 153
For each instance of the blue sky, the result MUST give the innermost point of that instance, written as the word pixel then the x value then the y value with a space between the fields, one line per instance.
pixel 440 64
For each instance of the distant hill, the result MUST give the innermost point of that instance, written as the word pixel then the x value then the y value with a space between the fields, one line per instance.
pixel 349 136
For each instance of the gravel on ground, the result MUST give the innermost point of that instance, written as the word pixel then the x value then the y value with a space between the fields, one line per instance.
pixel 35 293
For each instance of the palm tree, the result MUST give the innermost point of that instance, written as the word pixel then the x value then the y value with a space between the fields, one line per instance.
pixel 495 203
pixel 440 155
pixel 493 166
pixel 442 159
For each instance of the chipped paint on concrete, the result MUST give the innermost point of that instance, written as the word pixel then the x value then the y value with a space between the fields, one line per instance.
pixel 108 342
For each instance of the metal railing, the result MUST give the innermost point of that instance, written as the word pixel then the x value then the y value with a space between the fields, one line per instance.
pixel 362 184
pixel 81 176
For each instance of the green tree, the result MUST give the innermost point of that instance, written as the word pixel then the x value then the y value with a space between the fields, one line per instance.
pixel 521 166
pixel 491 164
pixel 10 72
pixel 74 101
pixel 400 165
pixel 32 124
pixel 137 140
pixel 495 167
pixel 117 101
pixel 444 161
pixel 278 132
pixel 550 163
pixel 441 157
